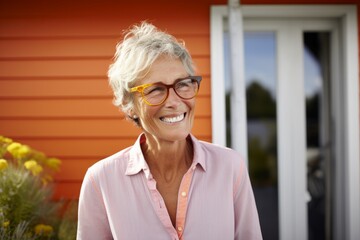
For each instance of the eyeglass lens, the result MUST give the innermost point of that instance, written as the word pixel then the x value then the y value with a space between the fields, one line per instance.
pixel 156 94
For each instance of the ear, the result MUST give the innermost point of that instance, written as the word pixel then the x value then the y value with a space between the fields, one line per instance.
pixel 131 114
pixel 134 117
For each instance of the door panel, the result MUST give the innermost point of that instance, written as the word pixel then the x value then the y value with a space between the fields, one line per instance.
pixel 288 125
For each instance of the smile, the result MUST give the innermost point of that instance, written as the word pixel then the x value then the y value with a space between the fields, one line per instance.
pixel 173 119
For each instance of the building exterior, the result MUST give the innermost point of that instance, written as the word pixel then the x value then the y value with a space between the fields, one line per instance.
pixel 293 111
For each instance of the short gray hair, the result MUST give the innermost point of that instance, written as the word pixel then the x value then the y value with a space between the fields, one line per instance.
pixel 141 46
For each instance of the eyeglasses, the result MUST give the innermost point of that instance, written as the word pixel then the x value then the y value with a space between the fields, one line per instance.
pixel 155 94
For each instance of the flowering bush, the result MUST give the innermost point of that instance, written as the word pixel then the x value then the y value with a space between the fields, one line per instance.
pixel 26 208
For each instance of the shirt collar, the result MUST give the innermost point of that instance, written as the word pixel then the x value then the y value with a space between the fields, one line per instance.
pixel 199 154
pixel 137 162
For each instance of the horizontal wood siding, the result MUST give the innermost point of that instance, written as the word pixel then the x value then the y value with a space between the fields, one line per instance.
pixel 54 91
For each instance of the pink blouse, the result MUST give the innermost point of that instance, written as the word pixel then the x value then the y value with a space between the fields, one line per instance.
pixel 119 199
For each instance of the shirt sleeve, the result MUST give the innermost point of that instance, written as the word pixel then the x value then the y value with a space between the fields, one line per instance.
pixel 92 219
pixel 247 224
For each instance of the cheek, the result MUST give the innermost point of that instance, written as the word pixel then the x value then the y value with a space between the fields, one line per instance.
pixel 191 104
pixel 139 107
pixel 146 113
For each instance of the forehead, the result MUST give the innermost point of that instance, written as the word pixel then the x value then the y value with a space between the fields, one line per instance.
pixel 166 70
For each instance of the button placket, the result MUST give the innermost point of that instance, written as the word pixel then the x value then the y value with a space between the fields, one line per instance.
pixel 159 205
pixel 183 201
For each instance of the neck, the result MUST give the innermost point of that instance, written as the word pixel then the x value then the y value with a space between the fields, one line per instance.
pixel 168 159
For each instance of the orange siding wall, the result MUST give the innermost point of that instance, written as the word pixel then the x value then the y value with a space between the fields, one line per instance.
pixel 54 91
pixel 53 63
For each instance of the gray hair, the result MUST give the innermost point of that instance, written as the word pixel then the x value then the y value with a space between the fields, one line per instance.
pixel 141 46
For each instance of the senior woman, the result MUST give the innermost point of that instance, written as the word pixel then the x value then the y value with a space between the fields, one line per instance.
pixel 168 185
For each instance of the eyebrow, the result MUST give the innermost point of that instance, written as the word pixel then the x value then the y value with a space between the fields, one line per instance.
pixel 181 78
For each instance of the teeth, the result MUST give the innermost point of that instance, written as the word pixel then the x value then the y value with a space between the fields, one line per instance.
pixel 174 119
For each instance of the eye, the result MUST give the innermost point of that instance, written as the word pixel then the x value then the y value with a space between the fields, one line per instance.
pixel 154 90
pixel 184 83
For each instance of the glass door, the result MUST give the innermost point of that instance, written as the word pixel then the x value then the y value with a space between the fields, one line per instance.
pixel 288 101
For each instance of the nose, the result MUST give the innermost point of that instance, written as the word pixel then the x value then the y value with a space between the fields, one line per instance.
pixel 173 100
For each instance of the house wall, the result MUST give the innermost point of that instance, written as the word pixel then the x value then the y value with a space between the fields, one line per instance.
pixel 53 62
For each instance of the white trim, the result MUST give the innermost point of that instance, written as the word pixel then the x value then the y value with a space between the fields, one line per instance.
pixel 238 86
pixel 297 11
pixel 218 111
pixel 291 134
pixel 337 136
pixel 351 127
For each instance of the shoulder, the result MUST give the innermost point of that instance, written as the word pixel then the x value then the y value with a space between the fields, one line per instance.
pixel 215 148
pixel 219 157
pixel 220 153
pixel 222 162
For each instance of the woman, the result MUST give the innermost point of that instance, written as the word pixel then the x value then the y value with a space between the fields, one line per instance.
pixel 168 185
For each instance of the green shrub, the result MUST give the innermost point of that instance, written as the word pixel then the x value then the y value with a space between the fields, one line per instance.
pixel 27 210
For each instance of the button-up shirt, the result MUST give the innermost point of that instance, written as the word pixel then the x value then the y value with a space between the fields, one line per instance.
pixel 119 198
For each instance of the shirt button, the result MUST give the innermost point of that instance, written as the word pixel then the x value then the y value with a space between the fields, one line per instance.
pixel 180 229
pixel 183 194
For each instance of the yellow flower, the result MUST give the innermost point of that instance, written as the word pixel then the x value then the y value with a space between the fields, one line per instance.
pixel 46 179
pixel 34 167
pixel 3 164
pixel 39 156
pixel 5 140
pixel 23 151
pixel 13 147
pixel 42 229
pixel 53 163
pixel 6 224
pixel 18 150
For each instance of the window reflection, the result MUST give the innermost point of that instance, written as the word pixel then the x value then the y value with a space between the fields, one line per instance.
pixel 317 100
pixel 260 75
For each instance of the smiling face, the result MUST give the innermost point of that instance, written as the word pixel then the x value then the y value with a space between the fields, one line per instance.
pixel 172 120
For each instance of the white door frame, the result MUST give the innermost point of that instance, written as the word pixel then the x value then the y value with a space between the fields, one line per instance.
pixel 347 213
